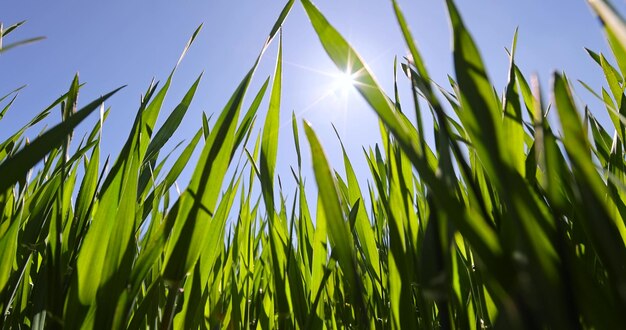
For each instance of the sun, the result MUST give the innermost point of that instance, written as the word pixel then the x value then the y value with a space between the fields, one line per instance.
pixel 344 82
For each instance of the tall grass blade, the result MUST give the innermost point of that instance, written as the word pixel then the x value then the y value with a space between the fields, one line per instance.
pixel 21 162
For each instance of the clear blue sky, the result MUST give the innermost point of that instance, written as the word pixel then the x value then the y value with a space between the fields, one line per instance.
pixel 114 43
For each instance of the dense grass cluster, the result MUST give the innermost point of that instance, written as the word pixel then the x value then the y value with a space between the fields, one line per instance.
pixel 502 221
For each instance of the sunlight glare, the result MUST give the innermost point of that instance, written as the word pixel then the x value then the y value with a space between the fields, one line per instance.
pixel 344 82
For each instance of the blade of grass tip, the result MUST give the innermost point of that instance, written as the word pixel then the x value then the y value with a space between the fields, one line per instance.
pixel 296 140
pixel 21 162
pixel 339 232
pixel 598 59
pixel 602 140
pixel 613 79
pixel 163 135
pixel 11 142
pixel 8 106
pixel 481 112
pixel 612 111
pixel 513 128
pixel 205 125
pixel 527 94
pixel 148 116
pixel 245 128
pixel 416 58
pixel 185 249
pixel 11 28
pixel 20 43
pixel 97 128
pixel 172 123
pixel 577 146
pixel 590 90
pixel 279 22
pixel 189 43
pixel 68 109
pixel 15 91
pixel 269 141
pixel 419 81
pixel 396 94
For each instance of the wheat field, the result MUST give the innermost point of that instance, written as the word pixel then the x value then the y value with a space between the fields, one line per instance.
pixel 507 220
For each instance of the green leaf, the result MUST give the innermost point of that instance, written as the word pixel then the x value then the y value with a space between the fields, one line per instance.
pixel 269 140
pixel 362 222
pixel 338 230
pixel 166 131
pixel 480 114
pixel 8 244
pixel 171 124
pixel 198 200
pixel 245 128
pixel 22 161
pixel 607 235
pixel 205 125
pixel 513 129
pixel 7 47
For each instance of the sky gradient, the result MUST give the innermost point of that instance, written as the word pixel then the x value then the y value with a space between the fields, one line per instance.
pixel 116 43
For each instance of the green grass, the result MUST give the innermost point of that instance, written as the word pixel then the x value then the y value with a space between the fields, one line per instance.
pixel 507 220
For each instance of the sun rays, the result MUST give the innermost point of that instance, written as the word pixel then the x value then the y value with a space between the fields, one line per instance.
pixel 338 88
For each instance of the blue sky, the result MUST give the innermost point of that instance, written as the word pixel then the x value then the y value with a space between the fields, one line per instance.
pixel 114 43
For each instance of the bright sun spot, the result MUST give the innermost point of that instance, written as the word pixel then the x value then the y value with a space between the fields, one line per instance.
pixel 344 82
